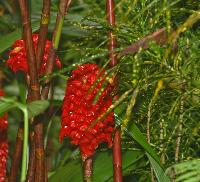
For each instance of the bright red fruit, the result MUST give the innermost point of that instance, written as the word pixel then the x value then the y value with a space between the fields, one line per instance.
pixel 79 109
pixel 3 145
pixel 17 57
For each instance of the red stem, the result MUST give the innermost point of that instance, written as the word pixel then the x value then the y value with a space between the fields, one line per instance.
pixel 117 157
pixel 34 89
pixel 30 52
pixel 39 56
pixel 15 165
pixel 43 32
pixel 87 169
pixel 31 165
pixel 112 40
pixel 160 37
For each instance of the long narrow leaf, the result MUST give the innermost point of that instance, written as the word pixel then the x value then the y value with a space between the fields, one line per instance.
pixel 137 135
pixel 160 174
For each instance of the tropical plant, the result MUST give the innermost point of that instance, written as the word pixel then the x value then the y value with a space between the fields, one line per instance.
pixel 149 56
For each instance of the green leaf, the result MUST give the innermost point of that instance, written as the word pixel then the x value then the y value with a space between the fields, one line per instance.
pixel 37 107
pixel 160 174
pixel 137 135
pixel 102 167
pixel 7 40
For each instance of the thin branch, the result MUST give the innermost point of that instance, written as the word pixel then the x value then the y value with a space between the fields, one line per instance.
pixel 17 155
pixel 43 32
pixel 63 8
pixel 180 130
pixel 159 87
pixel 162 145
pixel 31 166
pixel 160 37
pixel 117 157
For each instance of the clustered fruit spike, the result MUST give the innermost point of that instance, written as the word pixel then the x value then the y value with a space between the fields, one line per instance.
pixel 79 110
pixel 17 57
pixel 3 144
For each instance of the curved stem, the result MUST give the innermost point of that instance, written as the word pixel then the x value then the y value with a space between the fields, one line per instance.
pixel 25 147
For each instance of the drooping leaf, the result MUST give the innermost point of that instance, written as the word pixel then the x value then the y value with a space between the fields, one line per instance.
pixel 160 174
pixel 137 135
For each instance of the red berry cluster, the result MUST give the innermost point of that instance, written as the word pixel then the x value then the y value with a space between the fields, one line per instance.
pixel 79 110
pixel 17 57
pixel 3 145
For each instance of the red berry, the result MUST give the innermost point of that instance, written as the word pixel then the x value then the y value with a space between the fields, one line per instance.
pixel 3 144
pixel 17 57
pixel 79 110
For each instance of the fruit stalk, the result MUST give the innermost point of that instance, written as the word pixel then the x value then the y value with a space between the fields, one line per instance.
pixel 117 156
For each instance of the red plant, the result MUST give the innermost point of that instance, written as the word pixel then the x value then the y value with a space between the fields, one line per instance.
pixel 3 144
pixel 17 57
pixel 79 110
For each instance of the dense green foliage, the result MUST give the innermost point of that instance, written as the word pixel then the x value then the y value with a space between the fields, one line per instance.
pixel 164 84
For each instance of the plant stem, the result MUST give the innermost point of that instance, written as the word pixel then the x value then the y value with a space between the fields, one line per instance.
pixel 43 32
pixel 162 145
pixel 180 130
pixel 25 146
pixel 63 8
pixel 34 88
pixel 17 155
pixel 39 56
pixel 117 157
pixel 31 167
pixel 159 87
pixel 87 169
pixel 30 52
pixel 160 36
